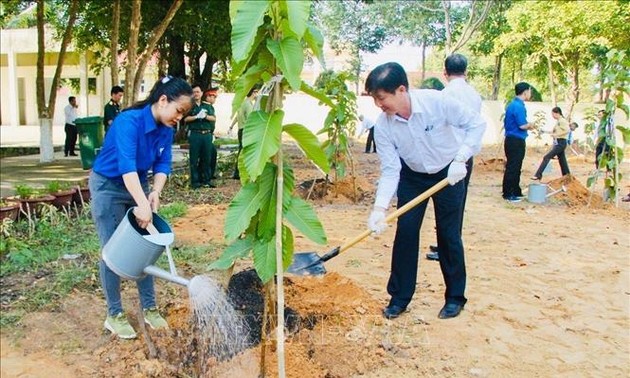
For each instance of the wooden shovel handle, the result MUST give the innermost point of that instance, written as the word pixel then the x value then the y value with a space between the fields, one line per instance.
pixel 408 206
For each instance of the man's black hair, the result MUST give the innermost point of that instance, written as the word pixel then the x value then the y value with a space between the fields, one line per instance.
pixel 387 77
pixel 521 87
pixel 116 89
pixel 71 98
pixel 455 64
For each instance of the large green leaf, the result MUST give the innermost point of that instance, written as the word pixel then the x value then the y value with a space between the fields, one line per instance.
pixel 297 13
pixel 240 66
pixel 290 58
pixel 302 216
pixel 246 82
pixel 261 140
pixel 237 250
pixel 264 252
pixel 315 41
pixel 267 217
pixel 241 210
pixel 317 94
pixel 287 247
pixel 265 259
pixel 249 16
pixel 309 143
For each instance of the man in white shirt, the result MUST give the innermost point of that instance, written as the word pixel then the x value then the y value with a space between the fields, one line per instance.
pixel 455 67
pixel 417 147
pixel 70 112
pixel 368 125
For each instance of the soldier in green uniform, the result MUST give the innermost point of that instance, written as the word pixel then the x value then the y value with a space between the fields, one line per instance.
pixel 112 108
pixel 200 122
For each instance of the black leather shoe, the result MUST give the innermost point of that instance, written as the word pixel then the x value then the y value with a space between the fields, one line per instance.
pixel 73 154
pixel 450 310
pixel 435 256
pixel 393 311
pixel 433 248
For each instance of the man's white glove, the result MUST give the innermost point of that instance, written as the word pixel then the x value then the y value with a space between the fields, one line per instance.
pixel 202 114
pixel 376 221
pixel 456 172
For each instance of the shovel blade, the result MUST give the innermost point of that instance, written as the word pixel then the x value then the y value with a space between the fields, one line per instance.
pixel 307 264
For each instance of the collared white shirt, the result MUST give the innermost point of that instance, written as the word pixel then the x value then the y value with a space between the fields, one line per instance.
pixel 71 114
pixel 426 141
pixel 460 90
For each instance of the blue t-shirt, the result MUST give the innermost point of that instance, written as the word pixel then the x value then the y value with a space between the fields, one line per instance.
pixel 135 143
pixel 515 116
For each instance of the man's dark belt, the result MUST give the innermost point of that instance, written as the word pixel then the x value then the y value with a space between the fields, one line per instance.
pixel 202 132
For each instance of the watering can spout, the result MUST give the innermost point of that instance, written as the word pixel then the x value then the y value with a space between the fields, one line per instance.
pixel 160 273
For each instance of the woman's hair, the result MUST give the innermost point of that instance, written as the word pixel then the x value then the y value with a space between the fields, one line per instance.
pixel 557 110
pixel 171 87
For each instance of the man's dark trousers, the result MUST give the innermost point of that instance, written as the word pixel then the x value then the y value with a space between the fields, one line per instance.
pixel 200 156
pixel 71 139
pixel 448 204
pixel 370 144
pixel 514 154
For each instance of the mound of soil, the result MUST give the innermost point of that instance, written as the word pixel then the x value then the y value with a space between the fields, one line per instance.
pixel 492 164
pixel 350 189
pixel 328 319
pixel 576 194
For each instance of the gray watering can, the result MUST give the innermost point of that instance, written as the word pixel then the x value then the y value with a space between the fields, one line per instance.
pixel 132 251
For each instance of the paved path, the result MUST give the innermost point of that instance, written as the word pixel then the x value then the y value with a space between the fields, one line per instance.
pixel 27 169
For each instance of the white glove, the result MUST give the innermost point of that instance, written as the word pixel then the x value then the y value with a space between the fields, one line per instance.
pixel 456 172
pixel 202 114
pixel 376 221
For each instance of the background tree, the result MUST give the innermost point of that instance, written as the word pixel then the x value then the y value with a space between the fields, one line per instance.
pixel 199 32
pixel 46 111
pixel 560 47
pixel 350 27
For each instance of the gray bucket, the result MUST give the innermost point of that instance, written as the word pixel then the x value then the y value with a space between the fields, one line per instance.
pixel 537 193
pixel 131 249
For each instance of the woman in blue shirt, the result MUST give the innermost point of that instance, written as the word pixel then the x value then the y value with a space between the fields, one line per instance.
pixel 139 140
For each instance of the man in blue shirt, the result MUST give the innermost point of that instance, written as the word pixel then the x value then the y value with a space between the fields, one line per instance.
pixel 516 126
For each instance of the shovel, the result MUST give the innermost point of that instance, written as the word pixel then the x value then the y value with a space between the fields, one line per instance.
pixel 310 263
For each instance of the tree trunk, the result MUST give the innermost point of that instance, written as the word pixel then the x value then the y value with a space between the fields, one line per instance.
pixel 114 45
pixel 552 86
pixel 496 77
pixel 132 48
pixel 176 55
pixel 574 94
pixel 47 111
pixel 205 80
pixel 156 34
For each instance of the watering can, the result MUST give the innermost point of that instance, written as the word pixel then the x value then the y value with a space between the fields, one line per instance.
pixel 132 251
pixel 537 193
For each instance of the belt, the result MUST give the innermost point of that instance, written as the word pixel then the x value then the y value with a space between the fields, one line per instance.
pixel 202 132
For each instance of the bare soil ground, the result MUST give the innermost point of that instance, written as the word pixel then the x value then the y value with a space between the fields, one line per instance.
pixel 548 290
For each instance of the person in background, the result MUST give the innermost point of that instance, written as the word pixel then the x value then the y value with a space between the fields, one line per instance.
pixel 200 124
pixel 560 133
pixel 455 71
pixel 112 108
pixel 516 126
pixel 368 125
pixel 139 140
pixel 70 113
pixel 241 117
pixel 417 149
